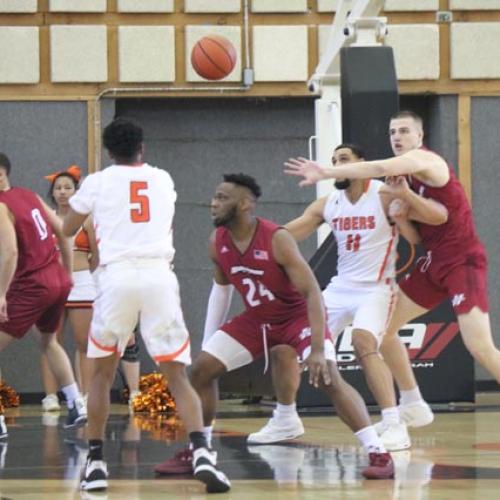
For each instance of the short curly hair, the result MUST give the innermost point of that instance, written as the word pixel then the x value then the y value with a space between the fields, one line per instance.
pixel 5 162
pixel 244 180
pixel 122 138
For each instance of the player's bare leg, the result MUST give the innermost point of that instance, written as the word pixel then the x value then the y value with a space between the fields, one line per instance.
pixel 50 385
pixel 186 399
pixel 204 375
pixel 414 410
pixel 80 320
pixel 380 382
pixel 475 327
pixel 190 410
pixel 285 423
pixel 95 475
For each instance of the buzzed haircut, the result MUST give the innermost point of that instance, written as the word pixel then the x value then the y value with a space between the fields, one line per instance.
pixel 406 113
pixel 355 148
pixel 5 162
pixel 123 138
pixel 244 180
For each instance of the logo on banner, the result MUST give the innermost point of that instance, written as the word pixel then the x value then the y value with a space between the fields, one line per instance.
pixel 425 343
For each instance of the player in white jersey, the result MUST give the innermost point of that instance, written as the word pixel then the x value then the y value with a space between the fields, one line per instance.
pixel 362 294
pixel 132 204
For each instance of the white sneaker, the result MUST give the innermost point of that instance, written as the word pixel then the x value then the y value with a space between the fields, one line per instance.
pixel 51 403
pixel 3 427
pixel 416 414
pixel 95 476
pixel 395 437
pixel 277 430
pixel 205 470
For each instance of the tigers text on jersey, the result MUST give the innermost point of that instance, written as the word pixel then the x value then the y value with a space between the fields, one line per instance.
pixel 366 242
pixel 133 208
pixel 261 281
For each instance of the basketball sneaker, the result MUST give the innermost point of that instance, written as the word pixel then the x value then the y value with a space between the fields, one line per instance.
pixel 395 437
pixel 416 414
pixel 180 463
pixel 278 429
pixel 206 471
pixel 77 415
pixel 51 403
pixel 380 466
pixel 95 476
pixel 3 427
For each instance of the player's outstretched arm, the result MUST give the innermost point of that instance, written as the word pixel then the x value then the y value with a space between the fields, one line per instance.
pixel 287 254
pixel 63 242
pixel 220 297
pixel 424 163
pixel 302 227
pixel 8 257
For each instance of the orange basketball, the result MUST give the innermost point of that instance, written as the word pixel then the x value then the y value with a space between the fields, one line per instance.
pixel 213 57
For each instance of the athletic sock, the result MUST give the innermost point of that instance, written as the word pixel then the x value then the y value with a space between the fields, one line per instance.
pixel 370 440
pixel 411 396
pixel 207 432
pixel 95 449
pixel 390 416
pixel 285 411
pixel 198 440
pixel 71 392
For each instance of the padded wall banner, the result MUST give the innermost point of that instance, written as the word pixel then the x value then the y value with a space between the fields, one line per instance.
pixel 443 366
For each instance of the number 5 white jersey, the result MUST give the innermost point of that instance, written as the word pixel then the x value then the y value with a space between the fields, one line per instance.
pixel 366 242
pixel 133 208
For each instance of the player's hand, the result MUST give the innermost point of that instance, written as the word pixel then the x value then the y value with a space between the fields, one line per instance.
pixel 311 171
pixel 398 210
pixel 396 186
pixel 317 366
pixel 3 309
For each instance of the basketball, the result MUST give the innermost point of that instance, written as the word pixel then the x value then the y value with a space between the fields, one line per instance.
pixel 213 57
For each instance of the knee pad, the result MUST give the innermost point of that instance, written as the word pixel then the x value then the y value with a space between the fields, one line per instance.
pixel 131 353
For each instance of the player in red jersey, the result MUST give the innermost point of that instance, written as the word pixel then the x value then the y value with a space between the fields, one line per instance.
pixel 456 264
pixel 33 283
pixel 283 307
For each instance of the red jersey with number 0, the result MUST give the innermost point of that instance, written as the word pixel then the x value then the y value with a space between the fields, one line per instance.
pixel 35 238
pixel 263 283
pixel 456 238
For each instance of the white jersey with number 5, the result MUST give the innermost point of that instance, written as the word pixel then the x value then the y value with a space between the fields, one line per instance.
pixel 133 209
pixel 366 242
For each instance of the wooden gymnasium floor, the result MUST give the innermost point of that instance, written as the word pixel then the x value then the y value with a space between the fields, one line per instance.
pixel 457 457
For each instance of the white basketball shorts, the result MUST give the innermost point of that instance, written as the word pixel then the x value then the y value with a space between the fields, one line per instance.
pixel 139 289
pixel 364 306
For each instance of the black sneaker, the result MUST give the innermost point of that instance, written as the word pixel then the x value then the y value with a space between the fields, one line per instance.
pixel 3 428
pixel 77 415
pixel 206 471
pixel 95 476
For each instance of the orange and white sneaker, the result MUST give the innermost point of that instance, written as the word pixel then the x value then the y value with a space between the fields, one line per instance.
pixel 381 466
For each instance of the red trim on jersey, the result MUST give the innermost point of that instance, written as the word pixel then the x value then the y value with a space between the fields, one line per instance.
pixel 387 253
pixel 102 347
pixel 392 304
pixel 367 185
pixel 79 304
pixel 172 356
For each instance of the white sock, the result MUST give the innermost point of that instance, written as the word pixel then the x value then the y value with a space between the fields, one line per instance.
pixel 411 396
pixel 207 431
pixel 370 440
pixel 71 392
pixel 285 411
pixel 390 416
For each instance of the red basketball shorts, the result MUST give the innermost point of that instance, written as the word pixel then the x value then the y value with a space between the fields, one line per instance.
pixel 37 299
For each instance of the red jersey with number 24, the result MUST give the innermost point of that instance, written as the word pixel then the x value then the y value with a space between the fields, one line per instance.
pixel 263 283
